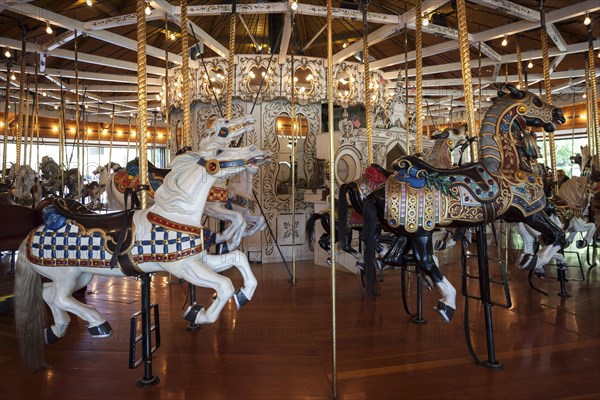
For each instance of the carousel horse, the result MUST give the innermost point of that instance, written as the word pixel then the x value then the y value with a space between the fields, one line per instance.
pixel 568 210
pixel 56 180
pixel 418 198
pixel 75 244
pixel 25 190
pixel 220 135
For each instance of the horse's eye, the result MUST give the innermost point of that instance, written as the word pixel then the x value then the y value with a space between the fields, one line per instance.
pixel 537 102
pixel 219 151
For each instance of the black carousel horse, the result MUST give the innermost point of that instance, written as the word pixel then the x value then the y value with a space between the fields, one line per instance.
pixel 419 198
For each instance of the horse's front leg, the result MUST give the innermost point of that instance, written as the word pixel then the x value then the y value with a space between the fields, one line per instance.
pixel 237 259
pixel 233 234
pixel 256 222
pixel 423 251
pixel 552 235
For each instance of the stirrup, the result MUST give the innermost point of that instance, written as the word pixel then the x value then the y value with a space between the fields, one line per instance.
pixel 191 312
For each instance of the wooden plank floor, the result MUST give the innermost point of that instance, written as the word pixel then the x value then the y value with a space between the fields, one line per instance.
pixel 279 345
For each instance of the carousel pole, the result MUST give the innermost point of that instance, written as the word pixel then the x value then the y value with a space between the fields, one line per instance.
pixel 185 71
pixel 231 62
pixel 593 100
pixel 520 64
pixel 368 82
pixel 112 137
pixel 332 197
pixel 34 121
pixel 21 99
pixel 588 93
pixel 293 153
pixel 77 138
pixel 128 140
pixel 6 111
pixel 26 123
pixel 62 133
pixel 484 274
pixel 36 117
pixel 407 124
pixel 548 89
pixel 419 78
pixel 167 130
pixel 148 379
pixel 99 145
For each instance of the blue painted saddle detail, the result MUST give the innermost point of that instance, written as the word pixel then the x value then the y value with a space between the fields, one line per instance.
pixel 52 218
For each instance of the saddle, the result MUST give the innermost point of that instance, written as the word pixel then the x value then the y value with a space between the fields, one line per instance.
pixel 112 223
pixel 472 177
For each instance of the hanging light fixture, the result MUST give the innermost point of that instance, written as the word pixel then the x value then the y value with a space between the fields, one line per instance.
pixel 48 28
pixel 294 5
pixel 504 41
pixel 44 94
pixel 530 64
pixel 56 107
pixel 13 77
pixel 172 36
pixel 587 20
pixel 148 9
pixel 584 95
pixel 344 45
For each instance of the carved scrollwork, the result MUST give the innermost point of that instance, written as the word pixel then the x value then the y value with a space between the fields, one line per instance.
pixel 212 81
pixel 345 84
pixel 309 78
pixel 253 71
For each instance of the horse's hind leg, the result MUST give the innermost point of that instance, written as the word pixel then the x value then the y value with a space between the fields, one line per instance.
pixel 423 250
pixel 58 296
pixel 220 263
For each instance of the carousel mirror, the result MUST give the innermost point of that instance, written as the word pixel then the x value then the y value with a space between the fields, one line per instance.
pixel 304 83
pixel 288 135
pixel 215 78
pixel 344 87
pixel 347 164
pixel 257 75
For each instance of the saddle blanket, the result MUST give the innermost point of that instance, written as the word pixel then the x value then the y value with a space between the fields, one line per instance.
pixel 73 245
pixel 123 181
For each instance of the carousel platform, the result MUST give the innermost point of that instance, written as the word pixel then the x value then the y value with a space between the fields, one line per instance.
pixel 279 345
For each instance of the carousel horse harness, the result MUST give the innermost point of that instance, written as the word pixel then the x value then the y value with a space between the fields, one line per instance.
pixel 102 240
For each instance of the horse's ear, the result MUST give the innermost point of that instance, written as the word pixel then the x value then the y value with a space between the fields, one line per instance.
pixel 516 93
pixel 442 135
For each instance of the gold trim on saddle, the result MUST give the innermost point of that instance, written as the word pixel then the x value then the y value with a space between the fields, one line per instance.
pixel 411 208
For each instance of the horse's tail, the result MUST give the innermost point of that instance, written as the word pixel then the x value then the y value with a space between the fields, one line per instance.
pixel 342 213
pixel 310 229
pixel 370 234
pixel 30 312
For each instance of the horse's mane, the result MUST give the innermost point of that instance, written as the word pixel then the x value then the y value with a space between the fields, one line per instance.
pixel 574 191
pixel 175 192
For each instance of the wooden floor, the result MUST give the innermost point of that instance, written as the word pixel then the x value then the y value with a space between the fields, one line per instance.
pixel 279 345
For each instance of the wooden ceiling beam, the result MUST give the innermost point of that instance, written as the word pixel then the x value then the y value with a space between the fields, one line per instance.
pixel 286 35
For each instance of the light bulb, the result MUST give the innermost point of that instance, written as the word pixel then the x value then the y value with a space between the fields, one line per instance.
pixel 148 10
pixel 44 93
pixel 504 41
pixel 294 5
pixel 13 77
pixel 530 65
pixel 172 36
pixel 158 97
pixel 55 107
pixel 584 95
pixel 48 28
pixel 587 20
pixel 425 21
pixel 89 3
pixel 86 106
pixel 345 45
pixel 7 54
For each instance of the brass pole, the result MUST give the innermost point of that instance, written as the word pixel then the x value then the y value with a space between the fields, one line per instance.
pixel 293 157
pixel 419 78
pixel 99 145
pixel 167 130
pixel 36 116
pixel 332 197
pixel 520 64
pixel 548 89
pixel 407 124
pixel 368 83
pixel 185 71
pixel 79 147
pixel 465 61
pixel 154 140
pixel 21 100
pixel 112 136
pixel 26 123
pixel 588 93
pixel 128 139
pixel 231 62
pixel 6 130
pixel 595 124
pixel 143 95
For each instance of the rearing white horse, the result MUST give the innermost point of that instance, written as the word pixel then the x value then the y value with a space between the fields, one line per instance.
pixel 164 237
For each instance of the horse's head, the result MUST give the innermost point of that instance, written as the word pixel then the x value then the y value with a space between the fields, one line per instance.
pixel 224 131
pixel 532 110
pixel 454 137
pixel 225 162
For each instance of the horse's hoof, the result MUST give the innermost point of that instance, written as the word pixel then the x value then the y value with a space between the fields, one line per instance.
pixel 191 312
pixel 445 311
pixel 440 245
pixel 49 336
pixel 529 261
pixel 240 299
pixel 101 331
pixel 426 282
pixel 581 244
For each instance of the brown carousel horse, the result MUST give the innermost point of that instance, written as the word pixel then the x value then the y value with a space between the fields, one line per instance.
pixel 418 198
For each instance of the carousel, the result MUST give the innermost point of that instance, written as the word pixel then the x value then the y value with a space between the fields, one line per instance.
pixel 299 199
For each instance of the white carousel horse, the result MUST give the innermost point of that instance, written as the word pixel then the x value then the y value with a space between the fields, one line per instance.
pixel 104 174
pixel 574 198
pixel 26 190
pixel 220 135
pixel 177 246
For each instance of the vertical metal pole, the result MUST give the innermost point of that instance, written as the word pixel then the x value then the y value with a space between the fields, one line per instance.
pixel 368 83
pixel 419 78
pixel 185 71
pixel 79 166
pixel 332 196
pixel 21 99
pixel 407 125
pixel 293 155
pixel 6 130
pixel 167 130
pixel 231 62
pixel 484 290
pixel 594 115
